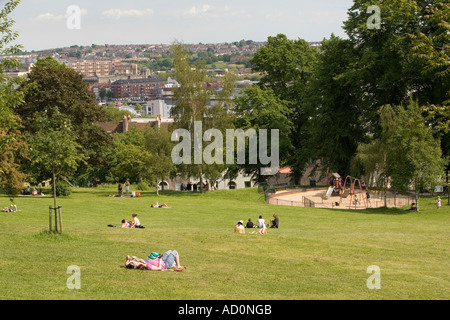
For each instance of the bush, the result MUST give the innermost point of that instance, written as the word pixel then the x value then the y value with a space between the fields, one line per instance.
pixel 63 189
pixel 143 186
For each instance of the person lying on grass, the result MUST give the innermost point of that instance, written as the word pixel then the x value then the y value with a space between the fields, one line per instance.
pixel 127 224
pixel 12 208
pixel 170 261
pixel 159 206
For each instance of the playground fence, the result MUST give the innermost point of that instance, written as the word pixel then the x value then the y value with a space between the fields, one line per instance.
pixel 377 199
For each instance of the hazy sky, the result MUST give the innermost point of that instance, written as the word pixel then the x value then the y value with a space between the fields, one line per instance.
pixel 42 24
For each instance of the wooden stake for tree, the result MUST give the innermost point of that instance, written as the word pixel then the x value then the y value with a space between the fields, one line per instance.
pixel 58 216
pixel 50 218
pixel 60 219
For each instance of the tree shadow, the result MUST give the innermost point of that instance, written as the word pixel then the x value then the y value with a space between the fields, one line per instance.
pixel 385 211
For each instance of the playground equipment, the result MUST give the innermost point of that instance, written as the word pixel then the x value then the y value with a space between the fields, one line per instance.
pixel 329 192
pixel 351 192
pixel 336 183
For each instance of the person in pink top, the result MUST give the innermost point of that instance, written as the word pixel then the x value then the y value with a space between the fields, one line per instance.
pixel 156 264
pixel 127 224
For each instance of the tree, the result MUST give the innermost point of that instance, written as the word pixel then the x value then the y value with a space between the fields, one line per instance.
pixel 257 109
pixel 406 155
pixel 193 105
pixel 128 158
pixel 337 122
pixel 287 68
pixel 373 157
pixel 12 143
pixel 416 155
pixel 55 88
pixel 157 142
pixel 355 77
pixel 102 94
pixel 54 152
pixel 431 45
pixel 391 67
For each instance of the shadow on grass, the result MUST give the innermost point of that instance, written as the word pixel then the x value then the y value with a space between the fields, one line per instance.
pixel 388 211
pixel 149 193
pixel 54 236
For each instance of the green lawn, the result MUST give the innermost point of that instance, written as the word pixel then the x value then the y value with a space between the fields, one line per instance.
pixel 316 253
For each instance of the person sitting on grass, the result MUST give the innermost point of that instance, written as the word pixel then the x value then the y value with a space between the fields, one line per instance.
pixel 136 222
pixel 262 226
pixel 239 228
pixel 275 222
pixel 249 224
pixel 413 207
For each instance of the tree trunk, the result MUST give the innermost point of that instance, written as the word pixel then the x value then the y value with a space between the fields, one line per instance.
pixel 417 200
pixel 54 190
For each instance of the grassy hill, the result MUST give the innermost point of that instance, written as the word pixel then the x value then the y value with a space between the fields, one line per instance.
pixel 315 254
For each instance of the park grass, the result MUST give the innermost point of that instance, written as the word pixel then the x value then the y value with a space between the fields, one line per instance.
pixel 315 254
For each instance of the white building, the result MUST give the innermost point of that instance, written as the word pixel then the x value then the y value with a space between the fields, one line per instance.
pixel 158 107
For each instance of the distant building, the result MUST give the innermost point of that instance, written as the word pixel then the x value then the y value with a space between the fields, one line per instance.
pixel 127 123
pixel 99 68
pixel 158 107
pixel 142 88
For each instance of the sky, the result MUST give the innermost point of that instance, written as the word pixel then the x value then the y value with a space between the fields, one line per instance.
pixel 46 24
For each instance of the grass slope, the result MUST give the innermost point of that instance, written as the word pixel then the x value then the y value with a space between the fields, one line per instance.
pixel 316 253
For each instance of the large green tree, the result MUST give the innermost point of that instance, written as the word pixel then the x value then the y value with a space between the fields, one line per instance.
pixel 406 156
pixel 54 152
pixel 260 108
pixel 157 142
pixel 53 87
pixel 337 122
pixel 12 142
pixel 287 68
pixel 194 106
pixel 404 57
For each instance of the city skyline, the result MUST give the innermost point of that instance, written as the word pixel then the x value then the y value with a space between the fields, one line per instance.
pixel 42 24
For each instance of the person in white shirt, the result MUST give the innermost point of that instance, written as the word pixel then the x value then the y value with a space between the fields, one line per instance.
pixel 136 222
pixel 262 226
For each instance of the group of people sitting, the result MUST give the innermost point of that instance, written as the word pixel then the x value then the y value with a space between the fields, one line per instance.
pixel 169 261
pixel 34 192
pixel 132 224
pixel 261 224
pixel 11 208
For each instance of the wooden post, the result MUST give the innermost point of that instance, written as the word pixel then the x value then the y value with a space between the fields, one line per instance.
pixel 56 219
pixel 50 218
pixel 60 219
